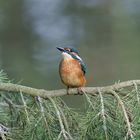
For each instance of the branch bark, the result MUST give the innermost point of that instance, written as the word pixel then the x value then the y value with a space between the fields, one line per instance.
pixel 9 87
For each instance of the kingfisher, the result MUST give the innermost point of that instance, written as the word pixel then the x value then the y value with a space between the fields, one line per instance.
pixel 72 69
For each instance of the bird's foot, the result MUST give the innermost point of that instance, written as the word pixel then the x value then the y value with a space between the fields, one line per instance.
pixel 68 91
pixel 79 91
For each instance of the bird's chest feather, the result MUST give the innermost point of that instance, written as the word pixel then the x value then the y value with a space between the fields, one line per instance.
pixel 71 73
pixel 69 67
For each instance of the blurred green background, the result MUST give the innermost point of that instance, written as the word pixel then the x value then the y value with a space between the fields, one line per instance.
pixel 105 32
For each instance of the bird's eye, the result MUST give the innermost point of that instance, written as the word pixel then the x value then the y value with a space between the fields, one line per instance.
pixel 68 50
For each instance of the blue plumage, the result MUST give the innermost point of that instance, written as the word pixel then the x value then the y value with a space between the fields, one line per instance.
pixel 83 66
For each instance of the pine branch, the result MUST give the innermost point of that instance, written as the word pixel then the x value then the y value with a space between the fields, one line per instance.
pixel 60 120
pixel 61 92
pixel 42 110
pixel 25 107
pixel 103 119
pixel 126 117
pixel 103 114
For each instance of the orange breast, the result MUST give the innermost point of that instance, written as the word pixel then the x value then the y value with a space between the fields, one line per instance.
pixel 71 73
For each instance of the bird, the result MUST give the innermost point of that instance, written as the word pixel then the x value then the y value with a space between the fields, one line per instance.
pixel 72 69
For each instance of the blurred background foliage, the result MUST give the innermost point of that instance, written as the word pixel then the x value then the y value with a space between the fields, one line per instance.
pixel 105 32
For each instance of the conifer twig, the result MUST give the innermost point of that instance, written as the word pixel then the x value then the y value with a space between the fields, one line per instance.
pixel 137 94
pixel 60 120
pixel 103 114
pixel 59 136
pixel 42 111
pixel 129 130
pixel 3 131
pixel 88 99
pixel 2 135
pixel 25 107
pixel 65 123
pixel 43 115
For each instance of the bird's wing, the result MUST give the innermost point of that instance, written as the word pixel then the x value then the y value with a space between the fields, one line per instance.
pixel 80 61
pixel 83 67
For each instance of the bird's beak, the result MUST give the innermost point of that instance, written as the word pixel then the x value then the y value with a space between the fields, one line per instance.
pixel 60 49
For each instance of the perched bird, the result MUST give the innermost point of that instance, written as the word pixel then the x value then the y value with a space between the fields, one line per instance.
pixel 72 69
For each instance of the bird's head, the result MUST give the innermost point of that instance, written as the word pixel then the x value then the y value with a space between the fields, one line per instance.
pixel 68 53
pixel 72 53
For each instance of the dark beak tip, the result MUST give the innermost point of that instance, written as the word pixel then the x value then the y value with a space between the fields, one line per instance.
pixel 60 49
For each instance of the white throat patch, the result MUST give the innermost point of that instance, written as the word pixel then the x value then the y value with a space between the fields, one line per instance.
pixel 66 55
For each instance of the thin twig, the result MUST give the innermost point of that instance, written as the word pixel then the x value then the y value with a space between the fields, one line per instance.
pixel 38 121
pixel 59 136
pixel 25 107
pixel 3 131
pixel 60 120
pixel 42 111
pixel 129 130
pixel 2 135
pixel 103 114
pixel 65 123
pixel 88 99
pixel 7 104
pixel 137 93
pixel 43 115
